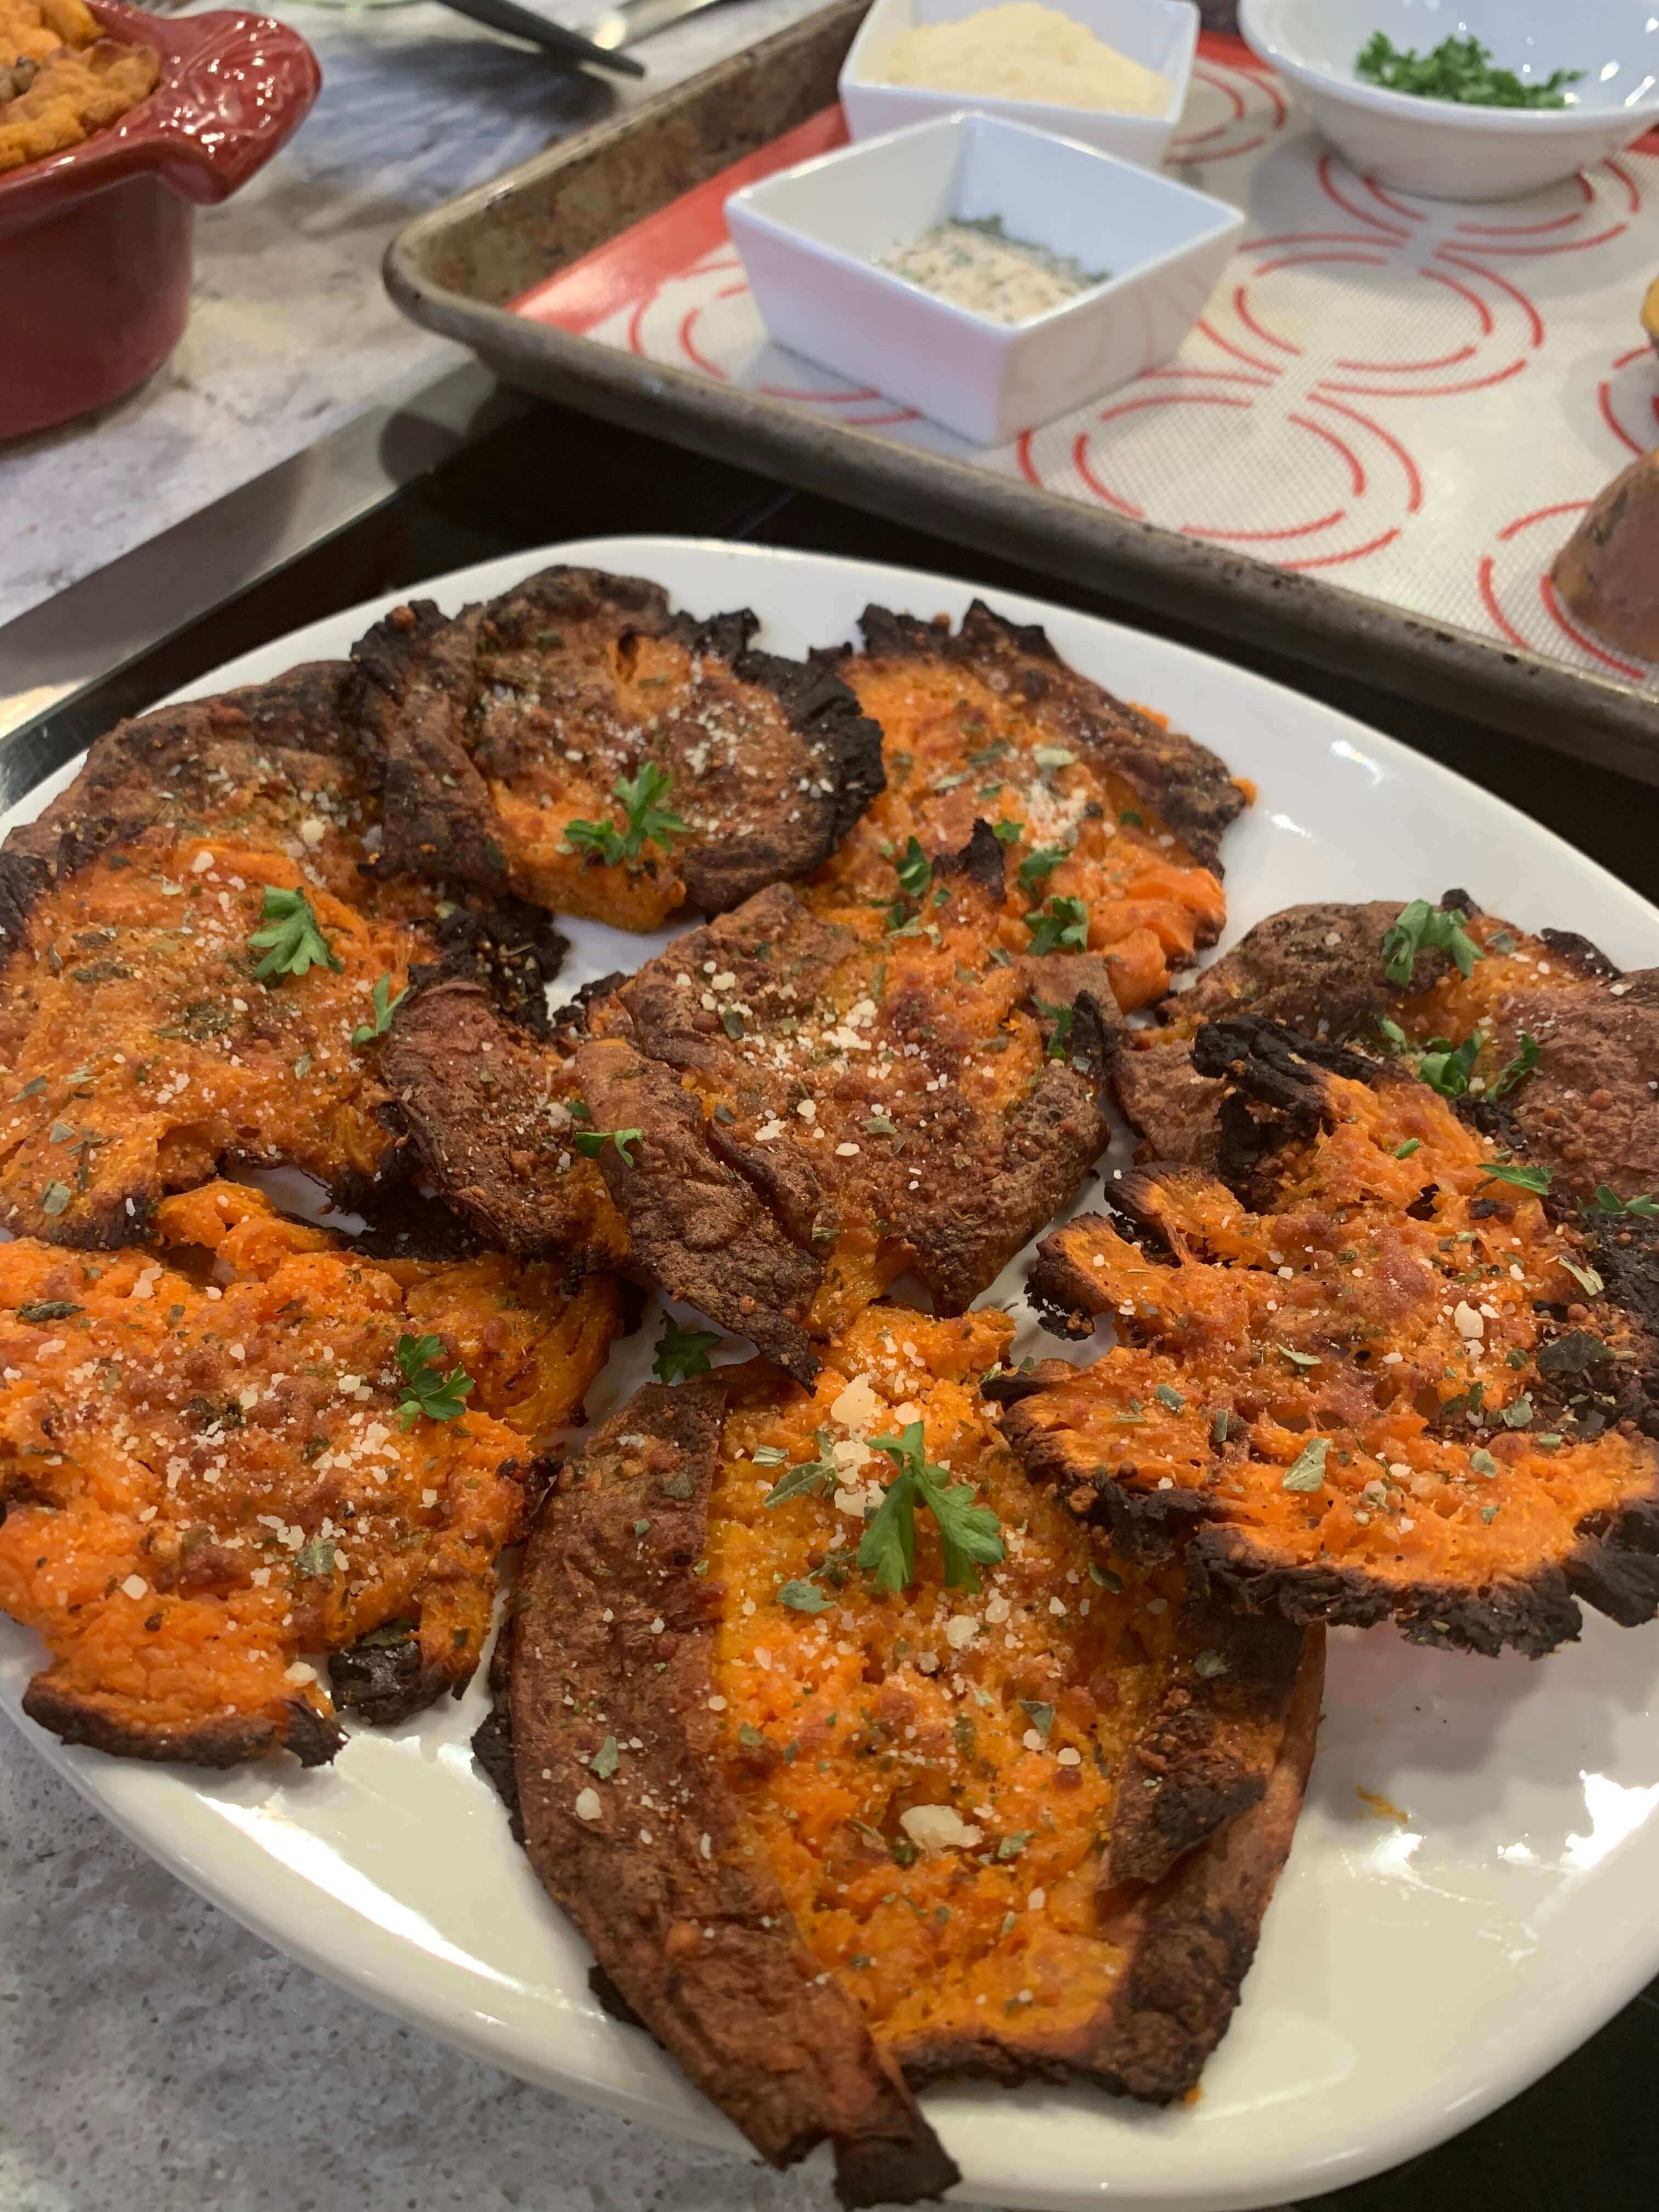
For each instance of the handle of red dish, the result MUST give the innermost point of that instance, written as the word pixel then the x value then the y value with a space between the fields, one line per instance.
pixel 235 89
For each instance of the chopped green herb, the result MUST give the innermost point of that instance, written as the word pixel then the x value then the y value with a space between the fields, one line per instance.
pixel 1307 1470
pixel 1064 922
pixel 1459 70
pixel 1059 1035
pixel 914 869
pixel 1104 1576
pixel 47 1310
pixel 1483 1463
pixel 806 1476
pixel 751 1737
pixel 1006 832
pixel 1392 1031
pixel 1516 1071
pixel 1586 1278
pixel 1607 1200
pixel 682 1352
pixel 1037 867
pixel 1011 1846
pixel 805 1597
pixel 1536 1180
pixel 294 944
pixel 607 1759
pixel 970 1534
pixel 441 1397
pixel 1518 1412
pixel 590 1143
pixel 1209 1664
pixel 1425 928
pixel 54 1198
pixel 646 822
pixel 316 1559
pixel 385 1006
pixel 1406 1147
pixel 1040 1717
pixel 1167 1395
pixel 1448 1071
pixel 1298 1358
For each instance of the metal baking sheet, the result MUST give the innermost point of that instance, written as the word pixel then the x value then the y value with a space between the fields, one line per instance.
pixel 464 268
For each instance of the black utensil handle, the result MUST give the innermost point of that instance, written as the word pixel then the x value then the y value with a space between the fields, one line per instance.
pixel 553 38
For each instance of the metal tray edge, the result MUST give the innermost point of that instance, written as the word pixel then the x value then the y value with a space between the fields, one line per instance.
pixel 1571 711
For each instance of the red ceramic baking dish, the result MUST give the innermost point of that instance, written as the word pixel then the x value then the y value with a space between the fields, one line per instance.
pixel 96 242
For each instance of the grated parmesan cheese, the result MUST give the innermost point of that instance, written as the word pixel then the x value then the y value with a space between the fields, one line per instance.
pixel 1022 51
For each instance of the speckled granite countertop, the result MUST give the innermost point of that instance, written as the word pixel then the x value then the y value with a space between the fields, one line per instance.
pixel 291 332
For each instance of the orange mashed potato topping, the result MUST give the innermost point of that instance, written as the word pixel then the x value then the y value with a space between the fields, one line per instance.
pixel 930 1775
pixel 207 1466
pixel 958 750
pixel 61 79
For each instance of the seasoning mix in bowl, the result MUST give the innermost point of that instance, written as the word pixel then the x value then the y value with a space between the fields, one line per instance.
pixel 1112 73
pixel 990 276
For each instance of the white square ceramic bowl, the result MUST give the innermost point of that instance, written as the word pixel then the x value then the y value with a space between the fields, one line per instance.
pixel 1160 34
pixel 809 239
pixel 1437 148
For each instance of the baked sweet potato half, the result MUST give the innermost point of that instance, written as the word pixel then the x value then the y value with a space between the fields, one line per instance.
pixel 1385 1382
pixel 836 1738
pixel 250 1449
pixel 169 1003
pixel 809 1106
pixel 1112 821
pixel 580 742
pixel 1539 1037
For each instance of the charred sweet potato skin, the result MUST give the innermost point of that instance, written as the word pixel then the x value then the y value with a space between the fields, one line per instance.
pixel 140 1051
pixel 990 722
pixel 488 1108
pixel 499 730
pixel 203 1474
pixel 823 1105
pixel 1041 1714
pixel 631 1825
pixel 1485 1398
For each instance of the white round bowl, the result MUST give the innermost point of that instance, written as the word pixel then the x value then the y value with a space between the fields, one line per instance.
pixel 1438 147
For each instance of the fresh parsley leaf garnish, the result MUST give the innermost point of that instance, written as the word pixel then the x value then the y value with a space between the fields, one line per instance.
pixel 1459 70
pixel 682 1352
pixel 294 944
pixel 1064 922
pixel 1406 1147
pixel 1516 1071
pixel 1036 867
pixel 441 1397
pixel 1425 928
pixel 1607 1200
pixel 1533 1179
pixel 1006 832
pixel 385 1006
pixel 914 869
pixel 1060 1037
pixel 1446 1069
pixel 647 822
pixel 590 1143
pixel 970 1534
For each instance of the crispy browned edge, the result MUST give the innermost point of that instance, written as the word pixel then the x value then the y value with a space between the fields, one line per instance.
pixel 1277 1075
pixel 311 1736
pixel 459 1069
pixel 1189 786
pixel 1184 1891
pixel 733 1228
pixel 612 1636
pixel 412 667
pixel 1190 1941
pixel 1587 1110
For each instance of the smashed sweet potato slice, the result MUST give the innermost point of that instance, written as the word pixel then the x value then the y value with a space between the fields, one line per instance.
pixel 141 1049
pixel 1394 1385
pixel 1543 1039
pixel 935 1795
pixel 206 1481
pixel 577 740
pixel 1113 822
pixel 817 1106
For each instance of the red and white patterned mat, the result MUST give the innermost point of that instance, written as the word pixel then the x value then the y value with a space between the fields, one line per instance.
pixel 1414 399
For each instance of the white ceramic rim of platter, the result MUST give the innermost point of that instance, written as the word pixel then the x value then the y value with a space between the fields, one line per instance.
pixel 1411 1977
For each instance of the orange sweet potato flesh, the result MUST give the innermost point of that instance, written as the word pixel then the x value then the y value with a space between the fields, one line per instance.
pixel 140 1052
pixel 1399 1388
pixel 1000 1935
pixel 204 1474
pixel 82 80
pixel 986 727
